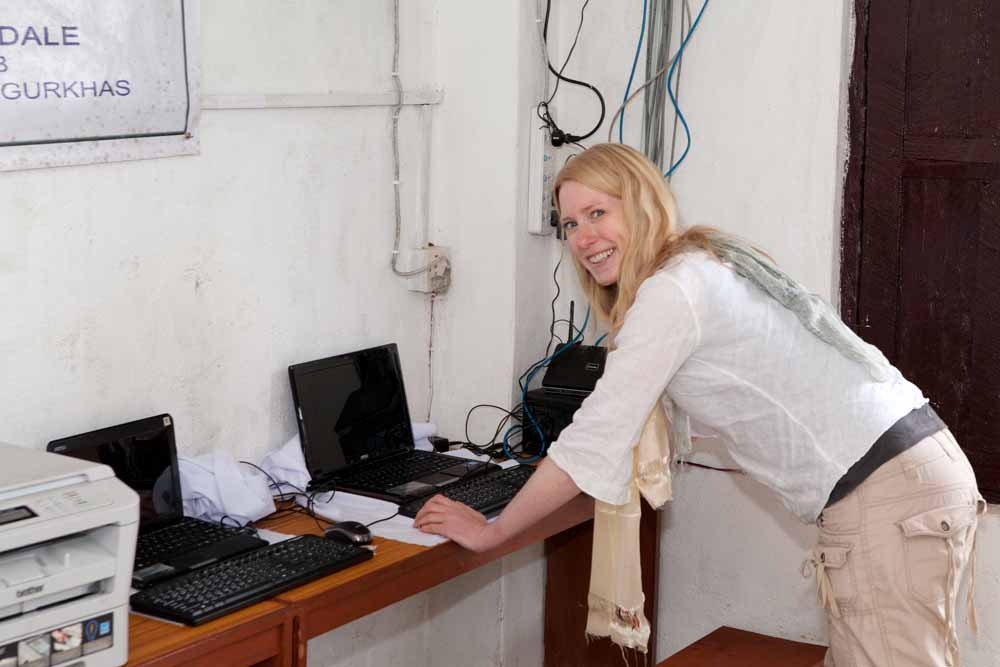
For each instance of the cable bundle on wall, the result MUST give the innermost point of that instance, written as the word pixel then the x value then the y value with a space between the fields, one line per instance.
pixel 669 68
pixel 661 14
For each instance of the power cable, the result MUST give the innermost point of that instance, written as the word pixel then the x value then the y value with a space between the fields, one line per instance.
pixel 558 136
pixel 396 109
pixel 685 25
pixel 631 74
pixel 552 305
pixel 569 54
pixel 673 98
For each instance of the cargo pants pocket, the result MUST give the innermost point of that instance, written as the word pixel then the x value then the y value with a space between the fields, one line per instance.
pixel 937 545
pixel 836 586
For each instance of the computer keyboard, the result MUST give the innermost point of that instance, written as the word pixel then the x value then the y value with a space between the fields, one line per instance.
pixel 388 474
pixel 181 537
pixel 237 582
pixel 487 493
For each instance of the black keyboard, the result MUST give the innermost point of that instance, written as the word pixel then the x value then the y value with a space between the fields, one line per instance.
pixel 178 538
pixel 238 582
pixel 385 475
pixel 487 492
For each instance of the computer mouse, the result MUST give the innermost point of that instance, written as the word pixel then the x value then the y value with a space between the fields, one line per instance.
pixel 351 532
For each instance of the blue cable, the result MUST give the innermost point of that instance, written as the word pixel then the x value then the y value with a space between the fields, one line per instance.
pixel 517 428
pixel 635 60
pixel 673 100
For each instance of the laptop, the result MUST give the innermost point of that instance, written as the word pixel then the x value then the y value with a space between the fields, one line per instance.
pixel 354 426
pixel 143 454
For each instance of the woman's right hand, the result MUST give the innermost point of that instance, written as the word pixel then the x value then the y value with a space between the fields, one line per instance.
pixel 459 523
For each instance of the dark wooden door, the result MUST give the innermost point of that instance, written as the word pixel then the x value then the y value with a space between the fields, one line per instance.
pixel 921 253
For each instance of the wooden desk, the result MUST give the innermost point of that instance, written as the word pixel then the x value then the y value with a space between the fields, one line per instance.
pixel 275 633
pixel 726 647
pixel 398 571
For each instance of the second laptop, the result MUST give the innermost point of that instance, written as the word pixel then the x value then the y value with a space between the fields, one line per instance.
pixel 354 425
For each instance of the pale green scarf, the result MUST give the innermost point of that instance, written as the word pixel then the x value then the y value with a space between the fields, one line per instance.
pixel 815 314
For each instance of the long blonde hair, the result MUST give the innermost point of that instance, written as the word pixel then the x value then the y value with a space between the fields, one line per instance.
pixel 651 226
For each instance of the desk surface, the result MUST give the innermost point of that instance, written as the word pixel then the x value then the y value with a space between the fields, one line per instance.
pixel 252 636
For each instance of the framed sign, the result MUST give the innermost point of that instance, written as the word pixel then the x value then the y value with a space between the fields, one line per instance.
pixel 84 81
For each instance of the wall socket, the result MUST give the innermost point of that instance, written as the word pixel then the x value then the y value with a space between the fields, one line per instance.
pixel 437 278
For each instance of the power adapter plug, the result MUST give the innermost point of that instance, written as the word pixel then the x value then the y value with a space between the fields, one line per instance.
pixel 438 443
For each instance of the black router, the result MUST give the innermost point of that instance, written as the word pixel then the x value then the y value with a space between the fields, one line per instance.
pixel 575 368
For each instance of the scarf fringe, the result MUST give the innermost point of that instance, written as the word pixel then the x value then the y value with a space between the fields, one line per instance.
pixel 628 628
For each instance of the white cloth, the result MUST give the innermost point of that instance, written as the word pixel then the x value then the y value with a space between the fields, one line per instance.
pixel 287 465
pixel 421 432
pixel 792 411
pixel 215 485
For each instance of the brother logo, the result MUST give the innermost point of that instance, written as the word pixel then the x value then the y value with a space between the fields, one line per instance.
pixel 30 590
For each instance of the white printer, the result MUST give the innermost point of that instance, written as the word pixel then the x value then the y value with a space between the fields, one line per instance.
pixel 67 541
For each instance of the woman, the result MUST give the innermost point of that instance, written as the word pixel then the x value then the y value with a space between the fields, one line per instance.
pixel 708 325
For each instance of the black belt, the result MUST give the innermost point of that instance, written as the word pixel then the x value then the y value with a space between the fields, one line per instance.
pixel 911 428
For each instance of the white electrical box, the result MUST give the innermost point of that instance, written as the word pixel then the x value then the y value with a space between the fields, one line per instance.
pixel 437 277
pixel 541 173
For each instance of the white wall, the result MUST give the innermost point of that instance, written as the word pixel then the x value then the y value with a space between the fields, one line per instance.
pixel 187 285
pixel 762 91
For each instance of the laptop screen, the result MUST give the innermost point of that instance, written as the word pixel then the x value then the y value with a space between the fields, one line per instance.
pixel 143 455
pixel 351 409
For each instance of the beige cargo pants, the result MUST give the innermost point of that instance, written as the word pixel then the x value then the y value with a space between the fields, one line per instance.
pixel 891 557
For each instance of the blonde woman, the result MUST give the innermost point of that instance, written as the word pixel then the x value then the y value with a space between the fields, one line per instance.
pixel 706 325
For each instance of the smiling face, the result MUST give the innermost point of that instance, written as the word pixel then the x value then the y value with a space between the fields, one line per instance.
pixel 594 225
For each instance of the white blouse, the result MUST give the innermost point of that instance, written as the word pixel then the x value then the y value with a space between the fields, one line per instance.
pixel 793 412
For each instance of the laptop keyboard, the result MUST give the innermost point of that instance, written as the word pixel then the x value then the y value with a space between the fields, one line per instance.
pixel 237 582
pixel 185 535
pixel 487 493
pixel 386 474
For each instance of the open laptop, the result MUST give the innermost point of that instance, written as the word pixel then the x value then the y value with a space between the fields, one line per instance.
pixel 143 454
pixel 355 429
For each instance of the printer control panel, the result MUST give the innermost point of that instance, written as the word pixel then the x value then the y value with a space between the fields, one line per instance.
pixel 69 501
pixel 52 505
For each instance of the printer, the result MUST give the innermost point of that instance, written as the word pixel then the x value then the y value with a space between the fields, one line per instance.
pixel 67 541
